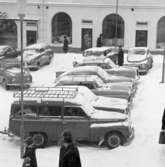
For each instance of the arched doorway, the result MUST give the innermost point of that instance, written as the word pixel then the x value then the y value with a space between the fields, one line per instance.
pixel 8 32
pixel 61 26
pixel 161 33
pixel 113 30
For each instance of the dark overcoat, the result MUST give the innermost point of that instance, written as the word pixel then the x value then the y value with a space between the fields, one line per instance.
pixel 69 156
pixel 99 41
pixel 120 57
pixel 30 152
pixel 65 45
pixel 163 120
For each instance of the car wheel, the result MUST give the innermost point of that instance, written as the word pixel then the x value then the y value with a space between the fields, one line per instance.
pixel 4 84
pixel 40 139
pixel 113 140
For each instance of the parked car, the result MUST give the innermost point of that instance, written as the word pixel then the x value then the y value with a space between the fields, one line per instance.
pixel 140 57
pixel 63 108
pixel 109 66
pixel 97 86
pixel 7 52
pixel 101 52
pixel 37 55
pixel 10 74
pixel 96 70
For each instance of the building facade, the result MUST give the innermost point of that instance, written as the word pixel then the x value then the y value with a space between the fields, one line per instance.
pixel 121 22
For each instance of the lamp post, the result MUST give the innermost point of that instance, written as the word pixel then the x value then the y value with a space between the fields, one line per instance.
pixel 163 66
pixel 21 15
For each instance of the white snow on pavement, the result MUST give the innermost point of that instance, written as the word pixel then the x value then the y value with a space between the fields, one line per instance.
pixel 146 114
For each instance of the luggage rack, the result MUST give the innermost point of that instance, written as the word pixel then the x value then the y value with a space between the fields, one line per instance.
pixel 48 92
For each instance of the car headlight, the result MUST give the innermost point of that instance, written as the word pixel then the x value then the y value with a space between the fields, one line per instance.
pixel 13 79
pixel 143 65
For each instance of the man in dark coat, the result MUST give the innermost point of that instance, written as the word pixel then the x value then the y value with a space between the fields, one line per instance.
pixel 65 44
pixel 120 56
pixel 99 41
pixel 69 154
pixel 30 152
pixel 163 120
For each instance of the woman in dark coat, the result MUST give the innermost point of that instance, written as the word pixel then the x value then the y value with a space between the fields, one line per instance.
pixel 120 56
pixel 99 41
pixel 30 152
pixel 65 45
pixel 69 154
pixel 163 120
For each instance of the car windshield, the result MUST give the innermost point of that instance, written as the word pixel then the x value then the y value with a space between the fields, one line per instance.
pixel 31 51
pixel 99 82
pixel 111 63
pixel 89 95
pixel 136 55
pixel 93 53
pixel 90 109
pixel 137 52
pixel 103 74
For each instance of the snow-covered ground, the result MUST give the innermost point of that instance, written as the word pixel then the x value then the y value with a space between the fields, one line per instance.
pixel 144 151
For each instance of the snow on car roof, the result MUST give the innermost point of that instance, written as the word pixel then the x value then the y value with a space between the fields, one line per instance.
pixel 99 49
pixel 78 78
pixel 3 46
pixel 139 48
pixel 36 46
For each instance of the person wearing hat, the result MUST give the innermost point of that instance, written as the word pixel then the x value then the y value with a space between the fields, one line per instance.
pixel 69 154
pixel 30 151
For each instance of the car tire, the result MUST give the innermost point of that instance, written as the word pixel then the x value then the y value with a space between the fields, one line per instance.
pixel 113 140
pixel 40 139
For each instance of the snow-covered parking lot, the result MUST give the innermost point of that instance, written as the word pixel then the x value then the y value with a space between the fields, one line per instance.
pixel 144 151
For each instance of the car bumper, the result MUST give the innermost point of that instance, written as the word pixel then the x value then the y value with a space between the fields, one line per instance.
pixel 131 137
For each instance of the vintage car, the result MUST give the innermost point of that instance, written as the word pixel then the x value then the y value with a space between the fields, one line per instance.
pixel 96 70
pixel 61 108
pixel 141 58
pixel 98 87
pixel 37 55
pixel 10 74
pixel 7 52
pixel 109 66
pixel 102 52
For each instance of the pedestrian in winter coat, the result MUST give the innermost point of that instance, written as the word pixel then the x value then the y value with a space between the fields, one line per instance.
pixel 120 56
pixel 163 121
pixel 69 154
pixel 30 151
pixel 99 41
pixel 65 44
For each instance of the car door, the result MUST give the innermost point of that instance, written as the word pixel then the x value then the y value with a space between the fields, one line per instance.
pixel 76 121
pixel 50 120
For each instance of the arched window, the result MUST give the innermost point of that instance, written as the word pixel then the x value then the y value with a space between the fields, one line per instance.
pixel 61 26
pixel 8 32
pixel 161 33
pixel 113 30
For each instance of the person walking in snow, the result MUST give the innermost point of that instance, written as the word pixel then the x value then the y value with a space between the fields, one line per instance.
pixel 65 44
pixel 163 120
pixel 69 154
pixel 120 56
pixel 30 152
pixel 99 41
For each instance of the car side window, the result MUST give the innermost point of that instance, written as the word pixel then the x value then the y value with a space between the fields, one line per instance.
pixel 28 110
pixel 74 112
pixel 50 111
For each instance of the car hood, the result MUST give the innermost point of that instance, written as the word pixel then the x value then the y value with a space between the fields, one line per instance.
pixel 113 78
pixel 136 58
pixel 111 104
pixel 109 116
pixel 123 71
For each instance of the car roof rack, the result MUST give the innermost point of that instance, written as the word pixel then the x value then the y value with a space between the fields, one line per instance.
pixel 48 92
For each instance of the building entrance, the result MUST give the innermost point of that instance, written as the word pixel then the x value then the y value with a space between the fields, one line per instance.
pixel 141 37
pixel 86 38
